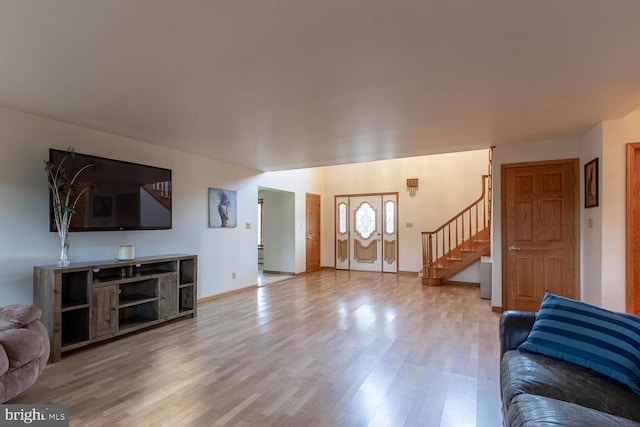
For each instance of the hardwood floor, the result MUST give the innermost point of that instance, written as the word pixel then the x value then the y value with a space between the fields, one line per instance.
pixel 322 349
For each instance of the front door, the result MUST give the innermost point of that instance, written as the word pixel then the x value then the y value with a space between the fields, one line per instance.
pixel 540 234
pixel 313 232
pixel 366 232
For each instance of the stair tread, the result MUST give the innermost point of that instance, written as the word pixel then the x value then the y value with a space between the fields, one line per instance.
pixel 464 254
pixel 451 266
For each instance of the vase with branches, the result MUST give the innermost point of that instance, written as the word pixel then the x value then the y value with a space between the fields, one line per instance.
pixel 66 192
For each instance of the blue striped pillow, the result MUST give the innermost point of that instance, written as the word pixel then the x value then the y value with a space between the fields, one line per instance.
pixel 602 340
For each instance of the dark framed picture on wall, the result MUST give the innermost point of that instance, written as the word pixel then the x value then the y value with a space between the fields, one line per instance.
pixel 591 184
pixel 101 206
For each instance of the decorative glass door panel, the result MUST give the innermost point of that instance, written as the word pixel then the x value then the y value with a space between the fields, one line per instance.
pixel 366 240
pixel 365 220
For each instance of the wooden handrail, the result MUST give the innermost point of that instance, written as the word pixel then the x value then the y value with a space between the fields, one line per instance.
pixel 436 252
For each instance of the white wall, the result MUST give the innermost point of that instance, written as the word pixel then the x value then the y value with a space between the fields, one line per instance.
pixel 470 274
pixel 299 182
pixel 516 153
pixel 616 134
pixel 591 224
pixel 447 184
pixel 25 239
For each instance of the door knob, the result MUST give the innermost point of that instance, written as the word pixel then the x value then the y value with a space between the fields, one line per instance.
pixel 514 248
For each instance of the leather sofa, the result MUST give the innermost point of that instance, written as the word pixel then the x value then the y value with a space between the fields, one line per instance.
pixel 24 349
pixel 537 390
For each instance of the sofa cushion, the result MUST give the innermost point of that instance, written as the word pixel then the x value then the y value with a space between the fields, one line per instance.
pixel 589 336
pixel 4 361
pixel 530 373
pixel 20 314
pixel 17 380
pixel 527 410
pixel 22 346
pixel 39 328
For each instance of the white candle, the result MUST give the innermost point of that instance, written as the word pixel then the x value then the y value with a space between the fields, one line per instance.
pixel 126 252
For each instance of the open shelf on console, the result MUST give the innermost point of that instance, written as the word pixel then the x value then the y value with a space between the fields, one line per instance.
pixel 141 270
pixel 110 274
pixel 132 293
pixel 74 289
pixel 75 326
pixel 138 314
pixel 187 271
pixel 186 299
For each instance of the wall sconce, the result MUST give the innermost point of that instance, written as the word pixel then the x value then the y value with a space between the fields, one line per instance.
pixel 412 186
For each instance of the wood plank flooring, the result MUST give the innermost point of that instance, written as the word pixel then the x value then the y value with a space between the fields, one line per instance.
pixel 330 348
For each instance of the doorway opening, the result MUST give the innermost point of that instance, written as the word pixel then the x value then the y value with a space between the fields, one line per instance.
pixel 276 235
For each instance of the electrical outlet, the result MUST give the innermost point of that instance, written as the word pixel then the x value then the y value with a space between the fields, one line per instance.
pixel 248 225
pixel 233 275
pixel 409 224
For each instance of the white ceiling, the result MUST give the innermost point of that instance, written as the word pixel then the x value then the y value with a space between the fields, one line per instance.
pixel 280 84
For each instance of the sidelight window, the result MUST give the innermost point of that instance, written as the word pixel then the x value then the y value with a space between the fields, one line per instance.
pixel 342 218
pixel 389 217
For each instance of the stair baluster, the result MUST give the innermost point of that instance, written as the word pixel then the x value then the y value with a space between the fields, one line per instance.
pixel 441 261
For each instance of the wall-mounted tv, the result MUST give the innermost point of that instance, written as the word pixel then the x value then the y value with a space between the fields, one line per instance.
pixel 120 196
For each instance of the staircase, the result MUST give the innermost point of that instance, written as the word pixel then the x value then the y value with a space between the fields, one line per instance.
pixel 459 242
pixel 161 191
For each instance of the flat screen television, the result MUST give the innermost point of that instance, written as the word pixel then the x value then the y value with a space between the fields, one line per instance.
pixel 120 195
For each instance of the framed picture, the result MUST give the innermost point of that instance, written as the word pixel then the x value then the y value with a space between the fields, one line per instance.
pixel 101 206
pixel 223 208
pixel 591 184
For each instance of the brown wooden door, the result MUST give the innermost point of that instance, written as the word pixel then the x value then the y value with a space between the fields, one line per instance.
pixel 633 228
pixel 168 294
pixel 313 232
pixel 104 311
pixel 540 232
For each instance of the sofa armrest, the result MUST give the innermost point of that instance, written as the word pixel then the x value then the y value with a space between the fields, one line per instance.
pixel 514 329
